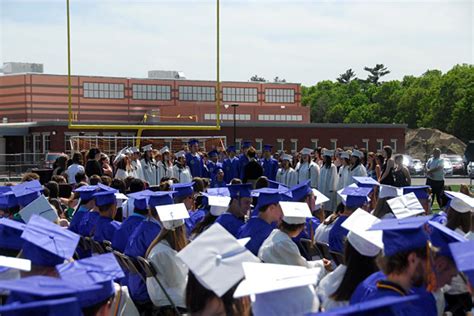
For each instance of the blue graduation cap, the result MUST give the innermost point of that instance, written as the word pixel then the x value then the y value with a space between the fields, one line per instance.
pixel 441 236
pixel 105 197
pixel 356 196
pixel 275 185
pixel 387 305
pixel 10 234
pixel 224 191
pixel 463 253
pixel 160 198
pixel 56 307
pixel 300 191
pixel 403 235
pixel 269 196
pixel 7 198
pixel 419 190
pixel 27 192
pixel 231 149
pixel 101 270
pixel 246 144
pixel 213 153
pixel 47 244
pixel 86 192
pixel 140 199
pixel 267 147
pixel 193 141
pixel 240 190
pixel 103 187
pixel 366 182
pixel 183 189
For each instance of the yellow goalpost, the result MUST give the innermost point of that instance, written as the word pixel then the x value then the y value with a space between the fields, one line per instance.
pixel 140 128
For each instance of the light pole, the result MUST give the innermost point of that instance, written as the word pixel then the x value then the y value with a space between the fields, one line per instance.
pixel 234 105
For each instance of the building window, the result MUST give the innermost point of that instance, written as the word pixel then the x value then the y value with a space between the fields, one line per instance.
pixel 36 143
pixel 294 145
pixel 366 144
pixel 238 143
pixel 227 117
pixel 379 144
pixel 27 144
pixel 279 96
pixel 394 144
pixel 258 144
pixel 151 92
pixel 240 95
pixel 333 143
pixel 192 93
pixel 167 143
pixel 280 144
pixel 46 142
pixel 99 90
pixel 314 143
pixel 279 117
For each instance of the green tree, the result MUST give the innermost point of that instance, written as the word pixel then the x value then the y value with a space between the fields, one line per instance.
pixel 347 76
pixel 376 73
pixel 256 78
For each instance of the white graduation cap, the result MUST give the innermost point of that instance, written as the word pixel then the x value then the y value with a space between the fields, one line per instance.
pixel 219 204
pixel 180 154
pixel 134 150
pixel 121 198
pixel 15 263
pixel 286 157
pixel 320 198
pixel 122 151
pixel 243 241
pixel 328 153
pixel 306 151
pixel 357 153
pixel 40 207
pixel 172 215
pixel 344 155
pixel 461 202
pixel 387 191
pixel 147 147
pixel 119 157
pixel 278 289
pixel 366 242
pixel 164 150
pixel 406 206
pixel 215 257
pixel 295 212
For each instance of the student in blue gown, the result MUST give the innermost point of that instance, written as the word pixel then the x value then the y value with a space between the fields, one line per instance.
pixel 86 204
pixel 269 164
pixel 231 165
pixel 356 197
pixel 243 158
pixel 241 199
pixel 219 182
pixel 184 193
pixel 259 227
pixel 87 225
pixel 213 164
pixel 139 242
pixel 194 159
pixel 139 214
pixel 10 237
pixel 106 226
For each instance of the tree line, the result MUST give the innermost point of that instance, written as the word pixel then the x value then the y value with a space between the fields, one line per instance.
pixel 433 100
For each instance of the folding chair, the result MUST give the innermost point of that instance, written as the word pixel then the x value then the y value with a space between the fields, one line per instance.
pixel 323 249
pixel 120 258
pixel 106 245
pixel 95 246
pixel 84 244
pixel 310 249
pixel 337 257
pixel 150 272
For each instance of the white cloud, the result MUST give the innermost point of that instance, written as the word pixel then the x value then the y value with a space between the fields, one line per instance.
pixel 302 41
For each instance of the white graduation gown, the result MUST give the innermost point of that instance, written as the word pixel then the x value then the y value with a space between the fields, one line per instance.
pixel 172 273
pixel 327 185
pixel 287 177
pixel 305 172
pixel 358 171
pixel 121 174
pixel 164 171
pixel 149 171
pixel 122 304
pixel 322 232
pixel 328 285
pixel 182 174
pixel 344 177
pixel 280 249
pixel 137 171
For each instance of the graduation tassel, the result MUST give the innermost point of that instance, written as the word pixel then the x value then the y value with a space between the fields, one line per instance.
pixel 431 275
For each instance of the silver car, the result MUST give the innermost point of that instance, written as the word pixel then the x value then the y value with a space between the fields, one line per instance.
pixel 448 167
pixel 417 167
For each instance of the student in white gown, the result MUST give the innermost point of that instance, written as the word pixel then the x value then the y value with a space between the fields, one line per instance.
pixel 328 180
pixel 180 170
pixel 286 174
pixel 164 167
pixel 344 171
pixel 357 168
pixel 306 169
pixel 148 165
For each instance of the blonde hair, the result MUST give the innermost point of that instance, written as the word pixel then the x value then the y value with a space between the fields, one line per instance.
pixel 176 239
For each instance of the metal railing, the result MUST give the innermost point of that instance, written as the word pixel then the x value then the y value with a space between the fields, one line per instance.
pixel 13 166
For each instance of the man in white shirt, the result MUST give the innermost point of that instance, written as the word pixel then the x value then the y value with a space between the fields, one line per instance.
pixel 435 175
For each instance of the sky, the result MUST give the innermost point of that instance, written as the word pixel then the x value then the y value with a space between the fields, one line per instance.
pixel 300 41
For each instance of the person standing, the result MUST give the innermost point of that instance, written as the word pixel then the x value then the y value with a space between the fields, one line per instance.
pixel 137 171
pixel 180 170
pixel 243 158
pixel 148 165
pixel 164 167
pixel 231 165
pixel 307 169
pixel 253 170
pixel 357 169
pixel 388 167
pixel 401 173
pixel 328 180
pixel 344 171
pixel 269 164
pixel 435 175
pixel 92 166
pixel 194 159
pixel 213 164
pixel 75 168
pixel 286 174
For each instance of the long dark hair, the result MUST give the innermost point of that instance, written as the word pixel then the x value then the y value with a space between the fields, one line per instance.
pixel 356 163
pixel 327 162
pixel 359 267
pixel 382 208
pixel 389 151
pixel 459 220
pixel 207 221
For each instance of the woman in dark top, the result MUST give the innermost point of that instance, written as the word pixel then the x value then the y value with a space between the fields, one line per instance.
pixel 387 168
pixel 401 173
pixel 93 166
pixel 253 170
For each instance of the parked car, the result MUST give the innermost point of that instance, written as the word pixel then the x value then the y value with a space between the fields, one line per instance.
pixel 470 169
pixel 418 167
pixel 457 163
pixel 408 162
pixel 49 159
pixel 448 167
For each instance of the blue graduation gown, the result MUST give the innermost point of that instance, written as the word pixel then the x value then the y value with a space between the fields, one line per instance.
pixel 77 217
pixel 270 168
pixel 230 222
pixel 126 230
pixel 243 161
pixel 195 164
pixel 212 169
pixel 231 168
pixel 105 229
pixel 441 218
pixel 88 224
pixel 309 228
pixel 194 218
pixel 258 230
pixel 337 235
pixel 137 245
pixel 218 184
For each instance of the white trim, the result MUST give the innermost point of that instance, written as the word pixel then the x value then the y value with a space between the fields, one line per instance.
pixel 315 142
pixel 281 144
pixel 294 145
pixel 366 142
pixel 379 144
pixel 334 143
pixel 394 143
pixel 259 143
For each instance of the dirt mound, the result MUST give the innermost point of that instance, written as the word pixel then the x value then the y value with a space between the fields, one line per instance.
pixel 420 141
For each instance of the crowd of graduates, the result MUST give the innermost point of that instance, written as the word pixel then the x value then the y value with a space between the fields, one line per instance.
pixel 162 233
